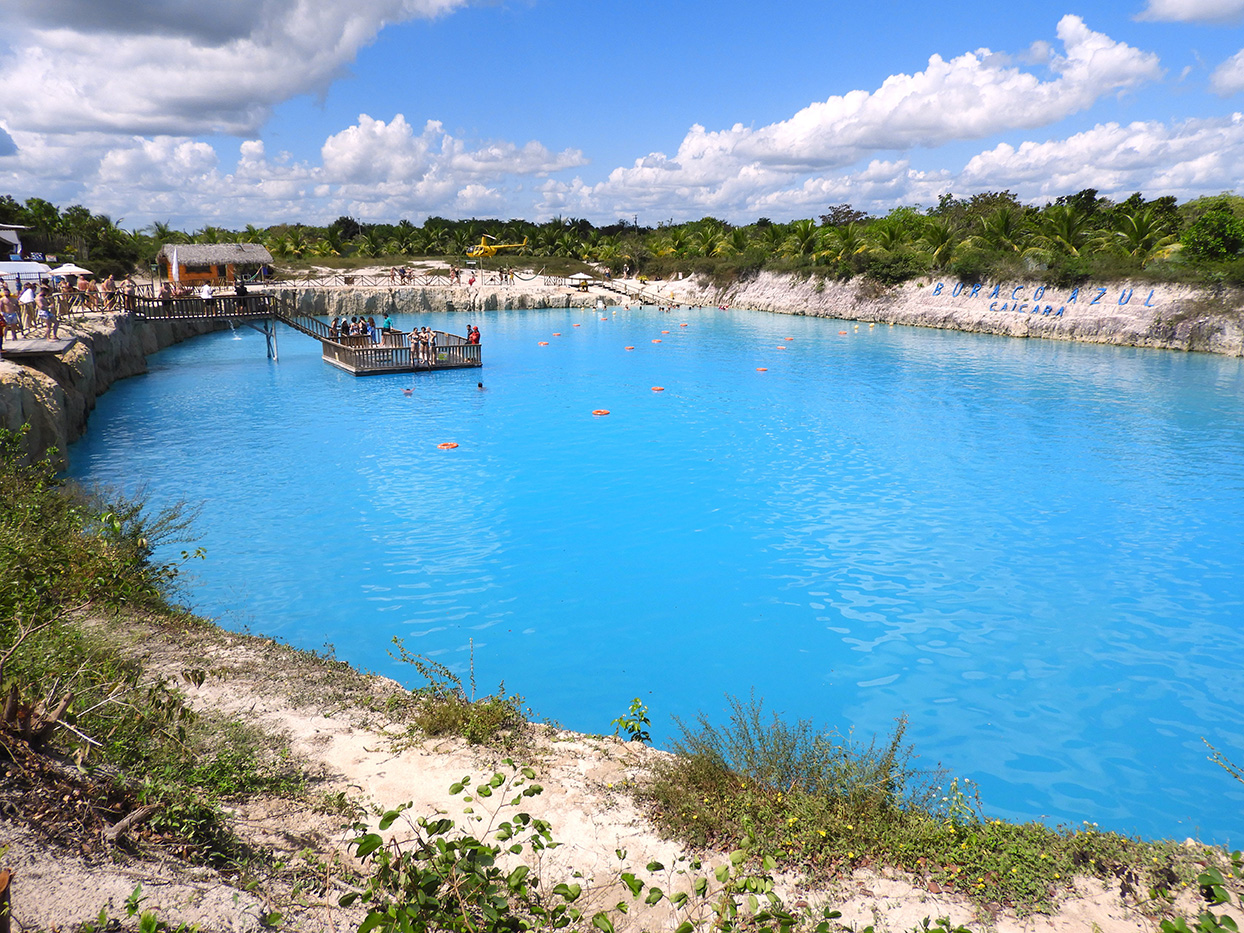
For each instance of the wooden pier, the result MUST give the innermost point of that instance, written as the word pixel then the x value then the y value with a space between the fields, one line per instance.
pixel 360 356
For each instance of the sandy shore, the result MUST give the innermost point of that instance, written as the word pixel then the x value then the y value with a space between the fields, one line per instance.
pixel 358 757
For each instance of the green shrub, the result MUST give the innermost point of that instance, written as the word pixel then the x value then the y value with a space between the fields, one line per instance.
pixel 444 707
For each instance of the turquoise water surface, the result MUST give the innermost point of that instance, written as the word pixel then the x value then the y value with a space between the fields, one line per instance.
pixel 1035 550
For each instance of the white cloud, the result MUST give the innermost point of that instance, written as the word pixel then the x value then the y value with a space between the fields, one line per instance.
pixel 969 97
pixel 373 169
pixel 1193 11
pixel 1185 159
pixel 1228 78
pixel 180 68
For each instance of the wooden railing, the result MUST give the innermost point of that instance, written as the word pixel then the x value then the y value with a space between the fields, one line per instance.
pixel 224 306
pixel 388 358
pixel 358 354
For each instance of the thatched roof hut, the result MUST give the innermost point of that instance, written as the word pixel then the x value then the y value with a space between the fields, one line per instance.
pixel 211 261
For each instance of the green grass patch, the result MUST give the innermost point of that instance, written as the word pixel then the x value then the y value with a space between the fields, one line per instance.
pixel 824 803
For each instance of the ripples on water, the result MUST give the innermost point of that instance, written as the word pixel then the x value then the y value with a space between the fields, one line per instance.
pixel 1033 549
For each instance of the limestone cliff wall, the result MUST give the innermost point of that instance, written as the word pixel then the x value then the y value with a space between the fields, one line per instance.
pixel 1138 314
pixel 377 302
pixel 54 395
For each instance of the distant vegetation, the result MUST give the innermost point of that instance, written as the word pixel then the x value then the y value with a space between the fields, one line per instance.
pixel 988 236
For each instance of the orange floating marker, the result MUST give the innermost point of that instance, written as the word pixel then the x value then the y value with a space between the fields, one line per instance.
pixel 544 343
pixel 658 388
pixel 578 325
pixel 656 341
pixel 788 338
pixel 761 369
pixel 682 325
pixel 630 348
pixel 448 445
pixel 601 411
pixel 557 335
pixel 604 319
pixel 842 333
pixel 665 331
pixel 780 347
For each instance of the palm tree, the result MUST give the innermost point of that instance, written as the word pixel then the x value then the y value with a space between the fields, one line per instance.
pixel 941 240
pixel 841 243
pixel 887 236
pixel 737 242
pixel 1143 235
pixel 370 243
pixel 162 232
pixel 1065 228
pixel 1003 231
pixel 804 240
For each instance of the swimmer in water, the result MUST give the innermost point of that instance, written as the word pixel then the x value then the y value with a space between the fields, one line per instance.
pixel 480 386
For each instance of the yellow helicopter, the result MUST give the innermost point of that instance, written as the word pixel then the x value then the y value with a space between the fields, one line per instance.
pixel 490 249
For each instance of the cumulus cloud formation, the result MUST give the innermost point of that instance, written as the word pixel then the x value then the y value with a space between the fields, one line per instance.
pixel 235 60
pixel 1228 78
pixel 1193 11
pixel 968 97
pixel 1185 159
pixel 373 169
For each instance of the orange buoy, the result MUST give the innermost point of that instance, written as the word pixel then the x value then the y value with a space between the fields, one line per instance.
pixel 630 348
pixel 790 338
pixel 761 369
pixel 544 343
pixel 601 411
pixel 780 347
pixel 557 335
pixel 658 388
pixel 682 325
pixel 604 319
pixel 665 331
pixel 656 341
pixel 842 333
pixel 448 445
pixel 578 325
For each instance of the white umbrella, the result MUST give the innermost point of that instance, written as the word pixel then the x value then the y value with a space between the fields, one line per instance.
pixel 580 277
pixel 70 269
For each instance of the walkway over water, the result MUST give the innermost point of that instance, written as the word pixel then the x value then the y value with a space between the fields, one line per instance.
pixel 361 356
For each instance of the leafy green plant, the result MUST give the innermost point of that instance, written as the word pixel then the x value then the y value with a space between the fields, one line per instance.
pixel 440 879
pixel 634 723
pixel 1213 888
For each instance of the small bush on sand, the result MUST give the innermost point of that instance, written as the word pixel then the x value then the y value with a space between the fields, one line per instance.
pixel 443 706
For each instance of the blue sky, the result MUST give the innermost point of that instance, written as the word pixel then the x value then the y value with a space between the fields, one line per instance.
pixel 258 111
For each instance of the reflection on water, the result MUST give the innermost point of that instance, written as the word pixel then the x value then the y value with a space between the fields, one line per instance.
pixel 1031 549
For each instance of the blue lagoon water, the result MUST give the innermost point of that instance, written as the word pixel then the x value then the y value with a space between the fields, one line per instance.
pixel 1034 550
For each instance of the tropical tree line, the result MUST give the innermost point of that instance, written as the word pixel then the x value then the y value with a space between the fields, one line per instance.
pixel 988 235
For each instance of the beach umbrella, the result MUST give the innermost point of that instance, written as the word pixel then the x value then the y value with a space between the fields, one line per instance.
pixel 70 269
pixel 580 277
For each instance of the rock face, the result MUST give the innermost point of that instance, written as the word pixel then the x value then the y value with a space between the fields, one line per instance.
pixel 377 302
pixel 1138 314
pixel 55 394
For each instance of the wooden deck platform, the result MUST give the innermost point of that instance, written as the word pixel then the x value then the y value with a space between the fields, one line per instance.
pixel 359 356
pixel 25 348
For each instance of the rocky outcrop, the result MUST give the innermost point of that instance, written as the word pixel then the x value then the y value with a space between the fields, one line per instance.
pixel 1138 314
pixel 53 395
pixel 377 302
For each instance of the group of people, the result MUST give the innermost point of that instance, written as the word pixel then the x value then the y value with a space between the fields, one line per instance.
pixel 36 306
pixel 358 327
